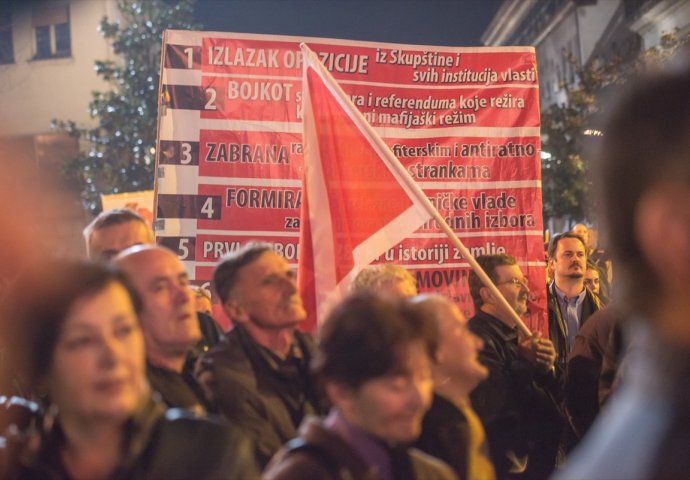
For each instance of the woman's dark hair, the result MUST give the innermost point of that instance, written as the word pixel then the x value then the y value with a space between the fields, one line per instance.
pixel 38 304
pixel 364 338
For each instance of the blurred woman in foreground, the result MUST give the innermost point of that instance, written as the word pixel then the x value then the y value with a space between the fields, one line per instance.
pixel 79 346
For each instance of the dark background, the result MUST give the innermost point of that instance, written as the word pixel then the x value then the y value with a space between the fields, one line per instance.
pixel 432 22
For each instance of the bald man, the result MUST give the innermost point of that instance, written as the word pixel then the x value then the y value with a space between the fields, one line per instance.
pixel 451 429
pixel 113 231
pixel 169 321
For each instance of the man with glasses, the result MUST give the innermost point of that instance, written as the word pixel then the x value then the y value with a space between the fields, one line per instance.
pixel 517 403
pixel 570 304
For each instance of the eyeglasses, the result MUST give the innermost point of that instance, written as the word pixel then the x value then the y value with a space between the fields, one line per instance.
pixel 519 282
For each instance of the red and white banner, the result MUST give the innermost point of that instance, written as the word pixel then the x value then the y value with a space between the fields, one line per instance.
pixel 464 123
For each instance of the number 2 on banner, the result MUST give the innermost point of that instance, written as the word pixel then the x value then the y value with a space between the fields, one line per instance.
pixel 211 93
pixel 208 207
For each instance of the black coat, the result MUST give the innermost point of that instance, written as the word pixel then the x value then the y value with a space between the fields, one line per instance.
pixel 585 367
pixel 162 445
pixel 267 400
pixel 446 435
pixel 517 403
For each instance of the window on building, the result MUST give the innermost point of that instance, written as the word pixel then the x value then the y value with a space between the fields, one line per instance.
pixel 6 45
pixel 52 32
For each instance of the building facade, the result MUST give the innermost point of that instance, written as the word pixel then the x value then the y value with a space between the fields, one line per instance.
pixel 47 55
pixel 571 33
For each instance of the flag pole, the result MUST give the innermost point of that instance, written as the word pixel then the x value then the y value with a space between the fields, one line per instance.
pixel 403 176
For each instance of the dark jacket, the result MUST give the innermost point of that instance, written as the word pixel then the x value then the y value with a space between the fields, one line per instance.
pixel 557 328
pixel 448 435
pixel 644 431
pixel 266 397
pixel 517 404
pixel 162 445
pixel 179 390
pixel 318 453
pixel 584 369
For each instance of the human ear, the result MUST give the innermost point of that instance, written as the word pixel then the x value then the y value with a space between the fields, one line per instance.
pixel 339 395
pixel 486 295
pixel 235 311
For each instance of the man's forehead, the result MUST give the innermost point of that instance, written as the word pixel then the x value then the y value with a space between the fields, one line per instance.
pixel 570 244
pixel 265 264
pixel 508 271
pixel 153 264
pixel 131 229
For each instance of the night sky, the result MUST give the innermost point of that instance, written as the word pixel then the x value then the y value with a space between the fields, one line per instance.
pixel 432 22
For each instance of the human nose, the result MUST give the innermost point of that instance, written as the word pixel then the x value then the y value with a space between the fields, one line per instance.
pixel 110 351
pixel 419 394
pixel 290 283
pixel 183 293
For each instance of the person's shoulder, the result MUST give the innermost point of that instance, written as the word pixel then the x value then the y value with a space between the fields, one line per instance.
pixel 475 322
pixel 317 452
pixel 481 323
pixel 314 453
pixel 227 353
pixel 187 424
pixel 427 467
pixel 296 465
pixel 200 445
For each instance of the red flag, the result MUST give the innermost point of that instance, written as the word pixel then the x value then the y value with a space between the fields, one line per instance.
pixel 358 200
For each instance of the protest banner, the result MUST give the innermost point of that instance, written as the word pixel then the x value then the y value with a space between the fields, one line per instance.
pixel 464 122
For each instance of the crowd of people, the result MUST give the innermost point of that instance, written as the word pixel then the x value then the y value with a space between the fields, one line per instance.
pixel 113 367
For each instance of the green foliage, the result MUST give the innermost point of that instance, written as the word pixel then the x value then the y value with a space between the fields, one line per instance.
pixel 567 127
pixel 119 152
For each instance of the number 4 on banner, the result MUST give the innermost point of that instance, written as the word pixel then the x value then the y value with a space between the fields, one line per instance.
pixel 207 208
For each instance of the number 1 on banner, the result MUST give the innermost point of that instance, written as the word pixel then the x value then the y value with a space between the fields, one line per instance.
pixel 190 56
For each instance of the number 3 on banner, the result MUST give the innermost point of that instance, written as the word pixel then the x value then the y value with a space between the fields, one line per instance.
pixel 186 153
pixel 208 207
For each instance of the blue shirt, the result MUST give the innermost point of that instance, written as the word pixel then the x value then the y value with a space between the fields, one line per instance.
pixel 571 311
